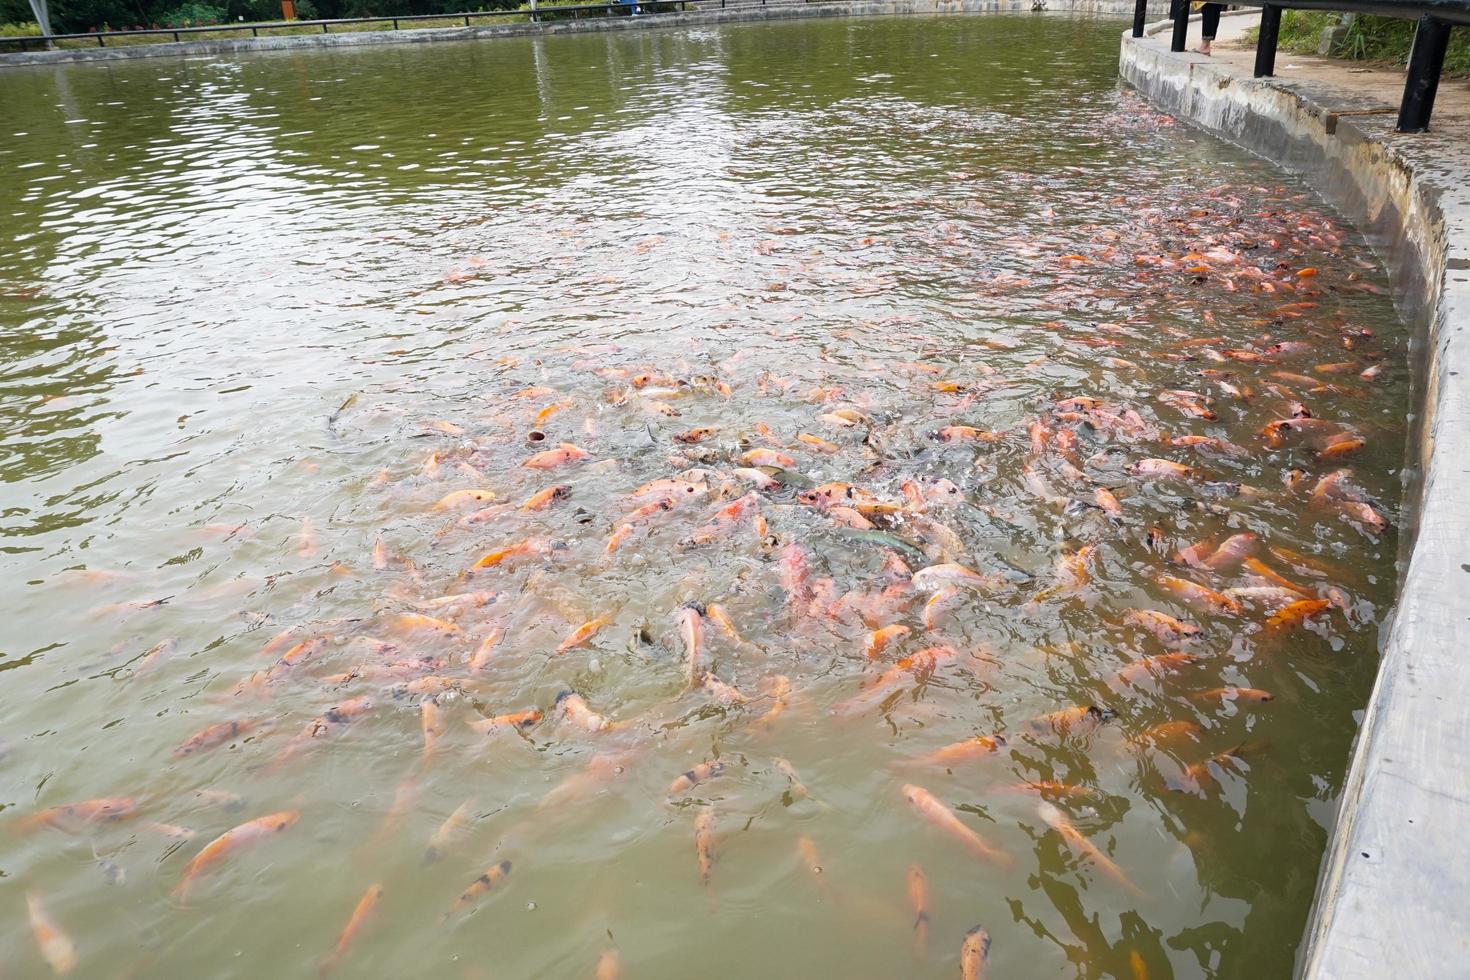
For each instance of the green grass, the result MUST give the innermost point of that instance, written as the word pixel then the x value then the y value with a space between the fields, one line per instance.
pixel 1381 41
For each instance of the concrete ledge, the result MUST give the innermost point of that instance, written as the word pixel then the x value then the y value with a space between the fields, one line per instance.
pixel 1393 897
pixel 784 11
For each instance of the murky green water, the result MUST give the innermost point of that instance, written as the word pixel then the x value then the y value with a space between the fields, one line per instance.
pixel 260 315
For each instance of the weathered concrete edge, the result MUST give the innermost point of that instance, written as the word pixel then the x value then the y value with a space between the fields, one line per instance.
pixel 1394 891
pixel 848 8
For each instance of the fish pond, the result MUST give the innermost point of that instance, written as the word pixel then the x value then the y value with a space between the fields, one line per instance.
pixel 857 498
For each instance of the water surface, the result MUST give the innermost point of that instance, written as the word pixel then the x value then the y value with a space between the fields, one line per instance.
pixel 262 314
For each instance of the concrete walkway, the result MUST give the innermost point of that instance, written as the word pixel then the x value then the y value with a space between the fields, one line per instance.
pixel 1394 894
pixel 1368 88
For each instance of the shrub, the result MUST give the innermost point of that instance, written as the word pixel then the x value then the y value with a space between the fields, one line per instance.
pixel 191 15
pixel 1381 40
pixel 20 30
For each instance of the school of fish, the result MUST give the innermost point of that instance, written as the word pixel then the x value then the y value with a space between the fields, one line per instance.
pixel 660 566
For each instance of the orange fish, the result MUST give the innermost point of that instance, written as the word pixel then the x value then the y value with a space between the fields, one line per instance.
pixel 941 816
pixel 704 849
pixel 691 631
pixel 723 522
pixel 1258 567
pixel 965 433
pixel 1297 613
pixel 1198 595
pixel 970 748
pixel 307 541
pixel 609 966
pixel 849 517
pixel 549 411
pixel 721 618
pixel 459 498
pixel 448 831
pixel 797 787
pixel 778 689
pixel 514 719
pixel 583 633
pixel 768 457
pixel 1105 499
pixel 329 722
pixel 721 692
pixel 544 498
pixel 296 656
pixel 974 953
pixel 73 816
pixel 695 435
pixel 578 713
pixel 493 876
pixel 1169 732
pixel 880 639
pixel 1153 667
pixel 924 662
pixel 213 736
pixel 1055 819
pixel 1049 788
pixel 1162 469
pixel 355 923
pixel 1064 722
pixel 919 902
pixel 691 778
pixel 631 520
pixel 935 577
pixel 1338 448
pixel 432 724
pixel 217 850
pixel 806 849
pixel 937 606
pixel 599 769
pixel 56 946
pixel 1365 514
pixel 552 458
pixel 530 546
pixel 481 657
pixel 170 830
pixel 1232 551
pixel 819 444
pixel 670 490
pixel 419 623
pixel 155 656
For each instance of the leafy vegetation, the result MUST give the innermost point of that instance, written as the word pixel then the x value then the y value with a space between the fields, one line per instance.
pixel 1378 40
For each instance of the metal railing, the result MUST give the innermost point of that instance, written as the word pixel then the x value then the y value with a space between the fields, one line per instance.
pixel 609 8
pixel 1426 57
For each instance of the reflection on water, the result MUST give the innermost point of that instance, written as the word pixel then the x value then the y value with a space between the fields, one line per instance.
pixel 957 503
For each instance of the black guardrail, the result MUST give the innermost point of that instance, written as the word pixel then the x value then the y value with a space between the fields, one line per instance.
pixel 1426 58
pixel 609 8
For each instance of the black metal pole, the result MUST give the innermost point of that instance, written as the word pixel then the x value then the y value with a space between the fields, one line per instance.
pixel 1181 25
pixel 1140 14
pixel 1426 60
pixel 1266 43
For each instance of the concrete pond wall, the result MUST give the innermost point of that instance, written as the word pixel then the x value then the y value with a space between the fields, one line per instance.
pixel 1393 897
